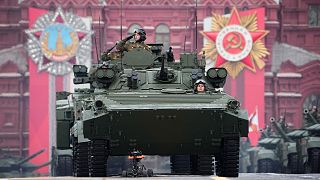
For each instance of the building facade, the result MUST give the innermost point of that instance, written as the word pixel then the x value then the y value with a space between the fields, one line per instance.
pixel 290 78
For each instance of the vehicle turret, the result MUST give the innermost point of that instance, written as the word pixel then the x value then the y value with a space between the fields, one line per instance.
pixel 264 133
pixel 279 130
pixel 309 119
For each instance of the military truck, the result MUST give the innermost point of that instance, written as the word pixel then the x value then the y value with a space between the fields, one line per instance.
pixel 141 101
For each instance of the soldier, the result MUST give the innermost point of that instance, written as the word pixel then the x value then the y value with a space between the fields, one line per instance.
pixel 139 36
pixel 169 54
pixel 314 112
pixel 200 86
pixel 268 130
pixel 283 123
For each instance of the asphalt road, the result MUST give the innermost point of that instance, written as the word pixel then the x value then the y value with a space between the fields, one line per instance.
pixel 243 176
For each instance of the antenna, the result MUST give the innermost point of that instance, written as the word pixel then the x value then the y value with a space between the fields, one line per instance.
pixel 99 39
pixel 105 36
pixel 184 45
pixel 196 30
pixel 121 19
pixel 95 42
pixel 185 35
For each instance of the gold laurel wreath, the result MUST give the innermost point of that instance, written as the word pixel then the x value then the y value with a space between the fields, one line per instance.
pixel 258 52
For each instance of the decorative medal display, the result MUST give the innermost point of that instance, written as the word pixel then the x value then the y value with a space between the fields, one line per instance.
pixel 235 42
pixel 57 41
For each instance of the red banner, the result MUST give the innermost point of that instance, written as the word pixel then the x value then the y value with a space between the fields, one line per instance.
pixel 253 88
pixel 236 43
pixel 42 88
pixel 39 105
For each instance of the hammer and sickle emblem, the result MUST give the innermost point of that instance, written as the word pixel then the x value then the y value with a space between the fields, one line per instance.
pixel 233 42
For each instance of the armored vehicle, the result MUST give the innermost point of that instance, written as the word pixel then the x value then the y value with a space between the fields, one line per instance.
pixel 313 145
pixel 62 164
pixel 270 156
pixel 19 167
pixel 244 159
pixel 296 148
pixel 142 101
pixel 279 152
pixel 314 148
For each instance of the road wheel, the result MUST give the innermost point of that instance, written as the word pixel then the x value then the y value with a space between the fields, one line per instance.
pixel 314 159
pixel 293 163
pixel 150 172
pixel 65 165
pixel 202 164
pixel 80 159
pixel 265 166
pixel 98 156
pixel 228 158
pixel 180 164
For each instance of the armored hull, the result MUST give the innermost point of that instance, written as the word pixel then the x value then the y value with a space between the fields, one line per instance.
pixel 162 124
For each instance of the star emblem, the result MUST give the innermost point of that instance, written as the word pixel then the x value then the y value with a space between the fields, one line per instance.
pixel 57 41
pixel 235 41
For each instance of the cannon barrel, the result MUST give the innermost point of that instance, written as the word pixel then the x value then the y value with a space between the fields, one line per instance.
pixel 309 118
pixel 30 157
pixel 35 167
pixel 280 131
pixel 263 132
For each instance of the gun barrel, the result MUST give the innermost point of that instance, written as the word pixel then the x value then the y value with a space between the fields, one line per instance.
pixel 33 168
pixel 280 130
pixel 30 157
pixel 308 115
pixel 263 132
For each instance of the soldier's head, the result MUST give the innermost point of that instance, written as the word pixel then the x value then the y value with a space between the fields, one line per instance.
pixel 290 125
pixel 200 86
pixel 139 35
pixel 281 118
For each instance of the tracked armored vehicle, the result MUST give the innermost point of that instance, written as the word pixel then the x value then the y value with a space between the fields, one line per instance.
pixel 313 145
pixel 140 101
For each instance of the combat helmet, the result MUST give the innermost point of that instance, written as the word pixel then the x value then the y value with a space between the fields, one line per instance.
pixel 199 81
pixel 142 33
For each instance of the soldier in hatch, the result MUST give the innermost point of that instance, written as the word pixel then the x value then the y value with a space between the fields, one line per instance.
pixel 139 36
pixel 200 86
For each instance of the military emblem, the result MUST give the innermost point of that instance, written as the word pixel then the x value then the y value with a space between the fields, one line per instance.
pixel 235 43
pixel 57 41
